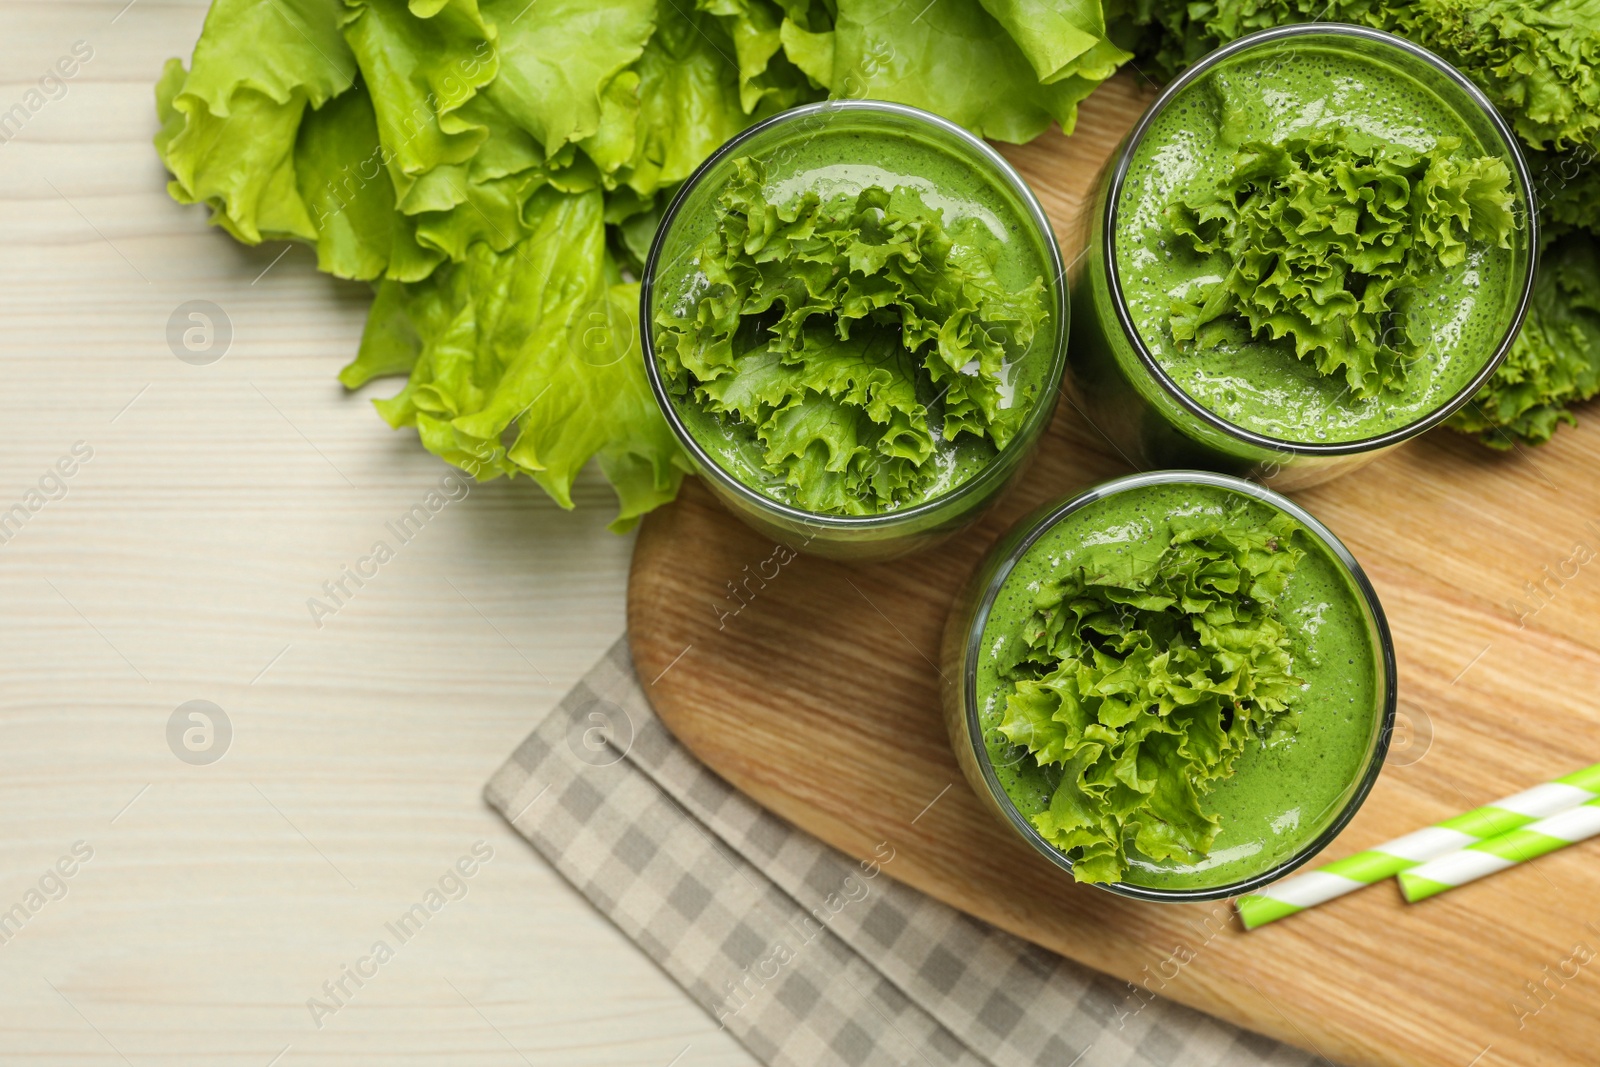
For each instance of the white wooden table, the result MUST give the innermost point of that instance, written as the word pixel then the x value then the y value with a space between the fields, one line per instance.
pixel 177 567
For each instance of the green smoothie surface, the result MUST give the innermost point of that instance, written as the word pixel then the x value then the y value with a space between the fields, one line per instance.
pixel 1316 246
pixel 854 321
pixel 1294 775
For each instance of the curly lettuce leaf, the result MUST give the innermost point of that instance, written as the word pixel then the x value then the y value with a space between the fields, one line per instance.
pixel 421 144
pixel 228 127
pixel 527 362
pixel 339 165
pixel 755 28
pixel 1566 186
pixel 490 193
pixel 277 49
pixel 810 50
pixel 423 62
pixel 1325 239
pixel 1555 360
pixel 684 97
pixel 240 165
pixel 1061 41
pixel 960 60
pixel 1143 674
pixel 558 58
pixel 847 334
pixel 631 222
pixel 340 178
pixel 1536 59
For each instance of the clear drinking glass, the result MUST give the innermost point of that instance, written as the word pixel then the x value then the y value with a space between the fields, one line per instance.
pixel 693 211
pixel 964 642
pixel 1132 399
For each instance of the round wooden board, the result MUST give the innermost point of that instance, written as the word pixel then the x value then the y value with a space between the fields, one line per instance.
pixel 812 687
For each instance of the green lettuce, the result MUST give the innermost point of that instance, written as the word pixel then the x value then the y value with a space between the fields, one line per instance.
pixel 525 361
pixel 684 104
pixel 339 173
pixel 1005 69
pixel 850 336
pixel 1536 59
pixel 1143 674
pixel 423 63
pixel 561 57
pixel 1326 238
pixel 1566 186
pixel 439 148
pixel 1555 360
pixel 228 127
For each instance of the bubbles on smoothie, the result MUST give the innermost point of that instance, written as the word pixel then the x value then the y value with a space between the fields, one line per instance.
pixel 1185 146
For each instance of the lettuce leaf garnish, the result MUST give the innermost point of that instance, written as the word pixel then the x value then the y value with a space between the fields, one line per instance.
pixel 1327 236
pixel 851 335
pixel 416 142
pixel 1144 673
pixel 1539 62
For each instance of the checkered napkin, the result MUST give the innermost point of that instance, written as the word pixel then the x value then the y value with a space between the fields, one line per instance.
pixel 806 956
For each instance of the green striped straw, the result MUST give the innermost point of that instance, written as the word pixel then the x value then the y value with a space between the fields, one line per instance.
pixel 1497 853
pixel 1402 854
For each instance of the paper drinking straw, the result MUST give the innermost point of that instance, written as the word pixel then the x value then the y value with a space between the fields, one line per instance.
pixel 1497 853
pixel 1402 854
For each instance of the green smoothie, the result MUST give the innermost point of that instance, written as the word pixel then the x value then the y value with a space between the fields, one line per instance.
pixel 857 322
pixel 1289 782
pixel 1315 246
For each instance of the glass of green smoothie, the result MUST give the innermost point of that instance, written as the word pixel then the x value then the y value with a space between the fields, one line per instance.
pixel 1317 243
pixel 855 322
pixel 1177 685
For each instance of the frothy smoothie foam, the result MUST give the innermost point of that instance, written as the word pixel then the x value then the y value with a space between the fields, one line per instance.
pixel 1443 324
pixel 1176 688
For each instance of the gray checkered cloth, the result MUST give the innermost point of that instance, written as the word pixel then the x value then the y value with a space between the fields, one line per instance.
pixel 806 956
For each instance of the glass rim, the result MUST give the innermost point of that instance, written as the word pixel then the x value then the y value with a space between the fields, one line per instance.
pixel 981 481
pixel 1378 625
pixel 1280 445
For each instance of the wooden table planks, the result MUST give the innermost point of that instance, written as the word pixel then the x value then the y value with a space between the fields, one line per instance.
pixel 178 567
pixel 816 693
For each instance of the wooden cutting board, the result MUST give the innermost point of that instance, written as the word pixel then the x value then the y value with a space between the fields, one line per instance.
pixel 815 692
